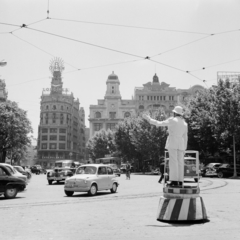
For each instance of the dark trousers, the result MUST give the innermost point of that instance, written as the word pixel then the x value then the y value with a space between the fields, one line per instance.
pixel 162 173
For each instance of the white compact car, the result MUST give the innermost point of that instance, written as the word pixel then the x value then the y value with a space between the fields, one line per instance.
pixel 91 178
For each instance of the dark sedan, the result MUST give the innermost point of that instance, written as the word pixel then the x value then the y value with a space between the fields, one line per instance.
pixel 9 184
pixel 227 170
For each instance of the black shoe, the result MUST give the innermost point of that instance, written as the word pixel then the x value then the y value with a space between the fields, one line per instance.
pixel 159 182
pixel 173 184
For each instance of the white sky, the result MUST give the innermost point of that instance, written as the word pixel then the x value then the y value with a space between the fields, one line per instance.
pixel 27 71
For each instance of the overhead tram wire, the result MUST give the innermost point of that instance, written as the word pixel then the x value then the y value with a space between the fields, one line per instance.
pixel 9 24
pixel 172 49
pixel 79 41
pixel 218 64
pixel 128 26
pixel 204 81
pixel 41 49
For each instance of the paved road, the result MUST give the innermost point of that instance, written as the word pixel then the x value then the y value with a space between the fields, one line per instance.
pixel 44 212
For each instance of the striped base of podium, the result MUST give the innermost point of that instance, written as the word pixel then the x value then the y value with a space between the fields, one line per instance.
pixel 187 209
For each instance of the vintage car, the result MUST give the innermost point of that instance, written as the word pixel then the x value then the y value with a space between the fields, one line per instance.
pixel 10 185
pixel 227 170
pixel 91 178
pixel 63 169
pixel 210 170
pixel 23 171
pixel 14 172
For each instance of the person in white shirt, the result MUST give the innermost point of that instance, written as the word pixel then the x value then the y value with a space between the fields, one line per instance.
pixel 176 143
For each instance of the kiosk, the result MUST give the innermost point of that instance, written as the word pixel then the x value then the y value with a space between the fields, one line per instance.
pixel 183 203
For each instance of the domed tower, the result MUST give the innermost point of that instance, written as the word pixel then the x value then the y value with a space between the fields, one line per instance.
pixel 113 87
pixel 155 80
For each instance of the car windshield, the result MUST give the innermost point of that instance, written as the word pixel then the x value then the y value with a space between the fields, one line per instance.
pixel 86 170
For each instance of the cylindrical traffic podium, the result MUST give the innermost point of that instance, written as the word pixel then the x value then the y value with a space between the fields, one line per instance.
pixel 182 203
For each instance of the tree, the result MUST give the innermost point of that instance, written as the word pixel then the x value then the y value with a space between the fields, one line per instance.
pixel 101 143
pixel 201 123
pixel 14 128
pixel 138 141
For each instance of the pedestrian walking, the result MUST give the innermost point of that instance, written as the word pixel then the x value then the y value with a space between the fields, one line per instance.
pixel 162 164
pixel 128 170
pixel 176 143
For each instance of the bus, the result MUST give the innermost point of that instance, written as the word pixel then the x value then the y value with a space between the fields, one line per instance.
pixel 109 160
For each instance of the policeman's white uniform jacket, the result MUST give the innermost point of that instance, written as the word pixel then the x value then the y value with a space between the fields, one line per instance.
pixel 176 144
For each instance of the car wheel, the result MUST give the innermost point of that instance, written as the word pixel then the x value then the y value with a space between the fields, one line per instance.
pixel 114 188
pixel 220 175
pixel 69 193
pixel 50 182
pixel 29 175
pixel 10 192
pixel 196 179
pixel 93 190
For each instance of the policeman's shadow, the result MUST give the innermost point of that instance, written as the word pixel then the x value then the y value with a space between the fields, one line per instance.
pixel 180 223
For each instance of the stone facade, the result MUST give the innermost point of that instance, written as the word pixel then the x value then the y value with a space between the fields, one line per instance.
pixel 153 95
pixel 110 110
pixel 61 132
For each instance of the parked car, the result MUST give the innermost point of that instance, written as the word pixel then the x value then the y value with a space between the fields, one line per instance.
pixel 210 170
pixel 37 169
pixel 91 178
pixel 14 172
pixel 23 171
pixel 227 170
pixel 10 185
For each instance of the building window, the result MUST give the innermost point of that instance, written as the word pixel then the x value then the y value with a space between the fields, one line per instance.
pixel 61 107
pixel 44 137
pixel 97 126
pixel 44 146
pixel 161 98
pixel 54 107
pixel 46 121
pixel 111 126
pixel 61 121
pixel 112 89
pixel 62 138
pixel 53 130
pixel 52 145
pixel 97 115
pixel 154 97
pixel 151 98
pixel 147 97
pixel 62 146
pixel 127 114
pixel 112 115
pixel 54 121
pixel 157 97
pixel 47 107
pixel 164 98
pixel 62 130
pixel 53 137
pixel 44 130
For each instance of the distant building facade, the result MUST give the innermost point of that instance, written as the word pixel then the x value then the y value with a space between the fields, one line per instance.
pixel 110 110
pixel 61 132
pixel 153 95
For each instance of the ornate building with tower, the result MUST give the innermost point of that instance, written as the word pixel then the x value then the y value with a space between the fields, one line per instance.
pixel 61 132
pixel 110 110
pixel 153 95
